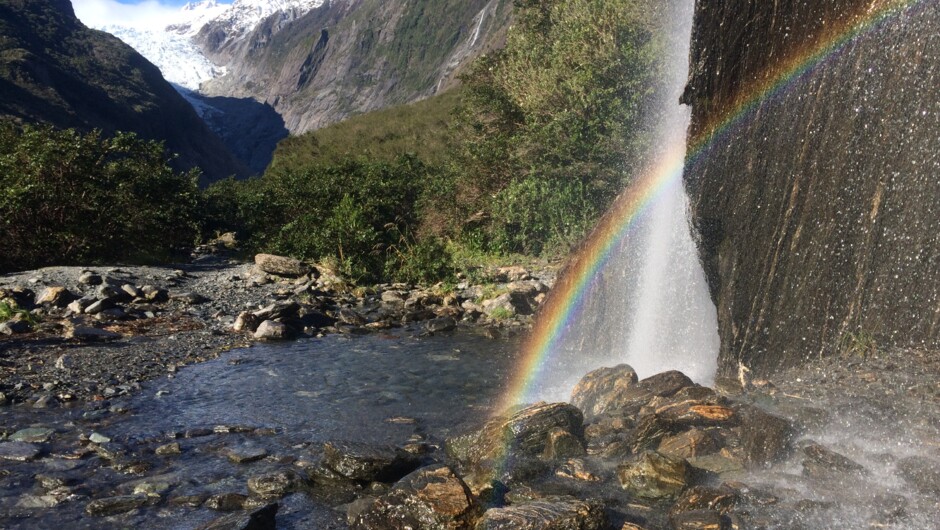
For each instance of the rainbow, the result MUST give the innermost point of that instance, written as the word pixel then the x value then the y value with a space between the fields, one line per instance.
pixel 568 296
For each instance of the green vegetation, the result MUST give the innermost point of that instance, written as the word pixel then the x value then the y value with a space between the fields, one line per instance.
pixel 861 343
pixel 520 161
pixel 69 198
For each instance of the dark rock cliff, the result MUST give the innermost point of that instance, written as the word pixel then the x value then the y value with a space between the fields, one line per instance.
pixel 817 208
pixel 354 56
pixel 55 70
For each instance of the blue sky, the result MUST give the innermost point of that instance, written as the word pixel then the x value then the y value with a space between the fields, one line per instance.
pixel 144 14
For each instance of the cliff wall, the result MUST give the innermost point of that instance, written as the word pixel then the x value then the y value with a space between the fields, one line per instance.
pixel 815 174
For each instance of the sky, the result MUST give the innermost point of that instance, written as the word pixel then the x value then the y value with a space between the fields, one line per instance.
pixel 141 14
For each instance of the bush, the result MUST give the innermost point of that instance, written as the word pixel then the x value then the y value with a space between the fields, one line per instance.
pixel 72 198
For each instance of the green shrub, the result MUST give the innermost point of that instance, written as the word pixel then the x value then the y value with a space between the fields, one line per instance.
pixel 72 198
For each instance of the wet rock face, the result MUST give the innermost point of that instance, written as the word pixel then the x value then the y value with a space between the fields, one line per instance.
pixel 552 513
pixel 368 463
pixel 816 210
pixel 603 389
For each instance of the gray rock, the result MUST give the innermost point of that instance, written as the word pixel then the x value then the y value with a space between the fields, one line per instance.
pixel 19 451
pixel 99 306
pixel 115 505
pixel 263 518
pixel 14 327
pixel 281 265
pixel 90 334
pixel 32 435
pixel 55 296
pixel 921 473
pixel 78 306
pixel 271 330
pixel 226 502
pixel 107 291
pixel 90 278
pixel 99 438
pixel 822 462
pixel 189 298
pixel 367 462
pixel 274 484
pixel 246 455
pixel 246 321
pixel 278 310
pixel 550 513
pixel 132 291
pixel 169 449
pixel 441 324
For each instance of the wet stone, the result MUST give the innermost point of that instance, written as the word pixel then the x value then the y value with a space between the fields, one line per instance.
pixel 274 484
pixel 226 502
pixel 246 455
pixel 696 498
pixel 366 462
pixel 19 451
pixel 115 505
pixel 263 518
pixel 603 389
pixel 922 473
pixel 765 438
pixel 440 325
pixel 655 476
pixel 271 330
pixel 432 498
pixel 551 513
pixel 821 462
pixel 561 444
pixel 169 449
pixel 699 520
pixel 32 435
pixel 692 443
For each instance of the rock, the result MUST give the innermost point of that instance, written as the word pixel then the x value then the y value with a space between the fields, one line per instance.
pixel 274 484
pixel 550 513
pixel 19 451
pixel 602 390
pixel 696 498
pixel 513 273
pixel 55 296
pixel 169 449
pixel 351 317
pixel 90 278
pixel 154 294
pixel 107 291
pixel 189 298
pixel 368 463
pixel 561 444
pixel 525 432
pixel 78 306
pixel 32 435
pixel 99 438
pixel 278 310
pixel 132 291
pixel 90 334
pixel 822 462
pixel 393 297
pixel 921 473
pixel 246 321
pixel 281 265
pixel 431 498
pixel 655 476
pixel 765 438
pixel 576 469
pixel 15 327
pixel 261 519
pixel 689 444
pixel 271 330
pixel 510 304
pixel 115 505
pixel 246 455
pixel 440 325
pixel 699 520
pixel 226 502
pixel 99 306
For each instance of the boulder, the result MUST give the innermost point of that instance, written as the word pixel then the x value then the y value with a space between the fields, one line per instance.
pixel 278 310
pixel 274 484
pixel 281 265
pixel 246 321
pixel 692 443
pixel 271 330
pixel 19 451
pixel 524 432
pixel 89 334
pixel 368 463
pixel 655 476
pixel 226 502
pixel 441 324
pixel 821 462
pixel 15 326
pixel 550 513
pixel 263 518
pixel 922 473
pixel 603 390
pixel 90 278
pixel 561 444
pixel 696 498
pixel 55 296
pixel 765 438
pixel 431 498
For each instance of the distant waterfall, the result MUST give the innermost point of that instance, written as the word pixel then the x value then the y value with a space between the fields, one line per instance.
pixel 649 306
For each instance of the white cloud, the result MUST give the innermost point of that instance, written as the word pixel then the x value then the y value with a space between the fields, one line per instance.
pixel 146 15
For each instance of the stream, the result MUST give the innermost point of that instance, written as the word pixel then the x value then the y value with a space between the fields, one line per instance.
pixel 280 401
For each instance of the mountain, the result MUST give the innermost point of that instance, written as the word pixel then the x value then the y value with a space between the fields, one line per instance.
pixel 352 56
pixel 55 70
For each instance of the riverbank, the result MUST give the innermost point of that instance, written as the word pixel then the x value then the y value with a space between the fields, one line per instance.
pixel 96 333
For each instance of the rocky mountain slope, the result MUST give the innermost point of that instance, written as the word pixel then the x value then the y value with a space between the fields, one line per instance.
pixel 53 69
pixel 352 56
pixel 817 207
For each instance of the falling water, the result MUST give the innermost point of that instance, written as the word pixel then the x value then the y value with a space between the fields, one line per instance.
pixel 649 306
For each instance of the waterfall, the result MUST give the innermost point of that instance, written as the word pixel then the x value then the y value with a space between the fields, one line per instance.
pixel 649 305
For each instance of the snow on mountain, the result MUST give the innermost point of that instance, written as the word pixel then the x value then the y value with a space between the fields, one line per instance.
pixel 172 48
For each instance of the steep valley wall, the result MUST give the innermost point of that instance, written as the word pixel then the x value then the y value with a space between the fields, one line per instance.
pixel 814 176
